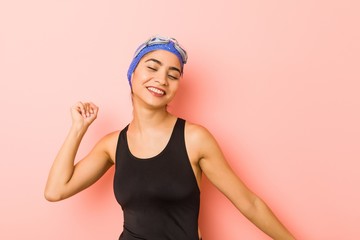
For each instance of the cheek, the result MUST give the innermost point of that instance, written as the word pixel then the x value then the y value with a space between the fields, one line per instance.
pixel 139 76
pixel 175 86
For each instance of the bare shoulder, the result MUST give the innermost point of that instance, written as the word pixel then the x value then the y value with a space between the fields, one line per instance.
pixel 108 144
pixel 197 132
pixel 112 136
pixel 199 138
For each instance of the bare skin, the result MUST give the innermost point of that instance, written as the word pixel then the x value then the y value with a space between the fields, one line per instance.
pixel 155 82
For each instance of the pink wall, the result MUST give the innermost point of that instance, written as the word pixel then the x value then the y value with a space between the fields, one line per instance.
pixel 277 82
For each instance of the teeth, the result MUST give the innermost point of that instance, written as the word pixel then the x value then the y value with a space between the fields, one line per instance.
pixel 155 90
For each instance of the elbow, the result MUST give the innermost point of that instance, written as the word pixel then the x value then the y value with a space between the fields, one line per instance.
pixel 52 196
pixel 252 208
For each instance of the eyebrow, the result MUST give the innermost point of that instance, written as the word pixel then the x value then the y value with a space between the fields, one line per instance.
pixel 160 63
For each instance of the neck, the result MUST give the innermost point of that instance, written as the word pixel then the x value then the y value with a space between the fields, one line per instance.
pixel 145 118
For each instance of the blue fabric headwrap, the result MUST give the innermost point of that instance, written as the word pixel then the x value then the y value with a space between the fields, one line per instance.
pixel 168 47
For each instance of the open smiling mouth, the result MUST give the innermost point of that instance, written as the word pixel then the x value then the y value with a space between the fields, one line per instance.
pixel 156 91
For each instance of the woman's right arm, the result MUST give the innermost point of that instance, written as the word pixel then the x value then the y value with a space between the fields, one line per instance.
pixel 66 179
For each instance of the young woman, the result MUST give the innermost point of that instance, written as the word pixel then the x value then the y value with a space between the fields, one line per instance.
pixel 159 158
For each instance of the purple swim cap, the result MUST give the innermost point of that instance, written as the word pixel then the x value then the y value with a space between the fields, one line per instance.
pixel 157 43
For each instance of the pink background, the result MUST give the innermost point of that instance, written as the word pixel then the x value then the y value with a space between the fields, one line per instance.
pixel 276 82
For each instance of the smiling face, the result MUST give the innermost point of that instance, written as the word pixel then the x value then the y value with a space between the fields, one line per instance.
pixel 156 79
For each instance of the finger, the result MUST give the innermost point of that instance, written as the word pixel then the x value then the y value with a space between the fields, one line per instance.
pixel 76 107
pixel 88 109
pixel 93 108
pixel 82 108
pixel 85 109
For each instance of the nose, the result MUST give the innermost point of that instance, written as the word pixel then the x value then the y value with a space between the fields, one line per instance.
pixel 161 78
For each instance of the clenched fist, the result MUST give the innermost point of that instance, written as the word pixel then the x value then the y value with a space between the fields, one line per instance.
pixel 83 114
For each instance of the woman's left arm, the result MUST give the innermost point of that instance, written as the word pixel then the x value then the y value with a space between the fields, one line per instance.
pixel 212 162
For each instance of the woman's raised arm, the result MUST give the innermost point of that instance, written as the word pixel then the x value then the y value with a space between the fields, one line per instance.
pixel 66 179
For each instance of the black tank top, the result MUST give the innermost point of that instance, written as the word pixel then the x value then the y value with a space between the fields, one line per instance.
pixel 159 196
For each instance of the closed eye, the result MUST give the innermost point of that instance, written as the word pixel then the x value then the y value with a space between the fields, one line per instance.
pixel 151 68
pixel 173 77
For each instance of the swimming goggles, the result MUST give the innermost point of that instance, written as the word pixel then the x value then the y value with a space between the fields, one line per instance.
pixel 163 40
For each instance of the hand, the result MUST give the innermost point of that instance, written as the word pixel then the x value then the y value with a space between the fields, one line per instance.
pixel 83 114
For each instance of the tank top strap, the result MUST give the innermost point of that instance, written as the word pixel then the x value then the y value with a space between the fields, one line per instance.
pixel 179 126
pixel 120 147
pixel 177 139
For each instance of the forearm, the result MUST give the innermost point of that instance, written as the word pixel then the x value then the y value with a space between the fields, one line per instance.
pixel 63 165
pixel 262 216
